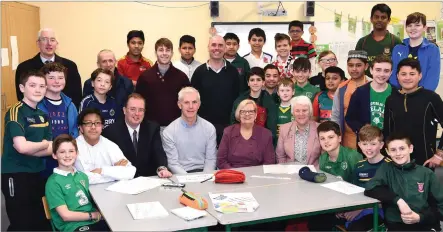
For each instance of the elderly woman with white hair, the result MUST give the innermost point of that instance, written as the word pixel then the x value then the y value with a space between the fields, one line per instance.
pixel 298 140
pixel 245 144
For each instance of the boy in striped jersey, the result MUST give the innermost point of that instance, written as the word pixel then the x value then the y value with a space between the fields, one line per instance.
pixel 371 143
pixel 285 90
pixel 299 47
pixel 102 80
pixel 322 105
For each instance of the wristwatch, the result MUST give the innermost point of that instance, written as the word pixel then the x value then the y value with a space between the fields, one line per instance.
pixel 161 168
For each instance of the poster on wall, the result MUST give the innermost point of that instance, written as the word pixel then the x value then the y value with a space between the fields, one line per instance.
pixel 366 28
pixel 352 25
pixel 321 47
pixel 431 31
pixel 337 21
pixel 439 30
pixel 399 30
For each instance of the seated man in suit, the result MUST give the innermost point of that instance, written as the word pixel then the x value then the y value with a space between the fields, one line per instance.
pixel 121 86
pixel 98 157
pixel 190 141
pixel 139 140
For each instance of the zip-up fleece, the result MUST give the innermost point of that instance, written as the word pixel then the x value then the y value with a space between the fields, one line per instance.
pixel 416 115
pixel 410 182
pixel 429 58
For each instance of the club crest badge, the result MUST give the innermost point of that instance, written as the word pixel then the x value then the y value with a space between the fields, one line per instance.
pixel 112 112
pixel 421 187
pixel 387 51
pixel 344 165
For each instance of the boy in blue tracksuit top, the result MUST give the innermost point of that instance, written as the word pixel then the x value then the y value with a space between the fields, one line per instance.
pixel 417 47
pixel 60 109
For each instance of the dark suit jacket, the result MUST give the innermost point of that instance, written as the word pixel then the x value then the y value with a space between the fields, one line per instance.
pixel 121 89
pixel 150 154
pixel 73 88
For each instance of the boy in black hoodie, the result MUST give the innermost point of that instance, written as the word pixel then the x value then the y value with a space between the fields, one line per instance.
pixel 415 111
pixel 405 190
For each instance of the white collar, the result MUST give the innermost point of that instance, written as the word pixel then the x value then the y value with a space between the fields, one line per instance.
pixel 44 59
pixel 62 172
pixel 131 131
pixel 217 71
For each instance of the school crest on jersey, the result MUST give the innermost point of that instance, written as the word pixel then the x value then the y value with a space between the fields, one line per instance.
pixel 42 119
pixel 309 94
pixel 421 187
pixel 344 165
pixel 387 51
pixel 240 70
pixel 83 182
pixel 142 68
pixel 112 112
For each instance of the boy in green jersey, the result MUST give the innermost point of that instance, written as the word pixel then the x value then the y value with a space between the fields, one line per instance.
pixel 285 90
pixel 67 191
pixel 405 190
pixel 301 70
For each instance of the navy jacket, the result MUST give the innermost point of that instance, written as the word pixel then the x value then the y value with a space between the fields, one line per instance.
pixel 121 89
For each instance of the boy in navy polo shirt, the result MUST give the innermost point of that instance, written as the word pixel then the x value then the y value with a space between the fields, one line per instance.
pixel 101 82
pixel 27 139
pixel 67 192
pixel 59 108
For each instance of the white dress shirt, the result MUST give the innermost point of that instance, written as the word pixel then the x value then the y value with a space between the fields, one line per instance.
pixel 102 155
pixel 131 131
pixel 44 59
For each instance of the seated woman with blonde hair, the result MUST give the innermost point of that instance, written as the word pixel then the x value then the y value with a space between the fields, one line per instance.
pixel 245 144
pixel 298 140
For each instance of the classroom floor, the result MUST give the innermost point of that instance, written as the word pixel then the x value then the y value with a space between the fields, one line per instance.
pixel 5 221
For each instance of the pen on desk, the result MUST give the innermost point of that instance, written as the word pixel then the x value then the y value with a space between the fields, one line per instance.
pixel 207 179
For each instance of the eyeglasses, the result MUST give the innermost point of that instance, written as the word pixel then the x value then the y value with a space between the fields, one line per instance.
pixel 46 40
pixel 295 31
pixel 247 112
pixel 330 60
pixel 135 110
pixel 90 124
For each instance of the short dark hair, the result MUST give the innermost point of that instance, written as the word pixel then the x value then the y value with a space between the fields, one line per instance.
pixel 295 23
pixel 232 36
pixel 257 32
pixel 337 70
pixel 135 33
pixel 271 66
pixel 95 73
pixel 383 8
pixel 280 36
pixel 63 138
pixel 256 71
pixel 54 67
pixel 329 126
pixel 86 112
pixel 187 39
pixel 382 59
pixel 398 136
pixel 416 17
pixel 301 63
pixel 369 132
pixel 409 62
pixel 135 96
pixel 36 73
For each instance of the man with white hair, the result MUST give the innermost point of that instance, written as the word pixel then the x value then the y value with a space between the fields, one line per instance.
pixel 122 86
pixel 190 141
pixel 47 43
pixel 219 85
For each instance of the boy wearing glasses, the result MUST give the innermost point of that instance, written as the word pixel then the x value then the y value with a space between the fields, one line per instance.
pixel 300 48
pixel 98 157
pixel 59 108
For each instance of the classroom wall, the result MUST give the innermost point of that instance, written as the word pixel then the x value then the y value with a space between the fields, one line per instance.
pixel 89 27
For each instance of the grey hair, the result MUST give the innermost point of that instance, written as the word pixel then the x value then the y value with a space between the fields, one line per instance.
pixel 187 90
pixel 301 100
pixel 39 34
pixel 104 50
pixel 242 105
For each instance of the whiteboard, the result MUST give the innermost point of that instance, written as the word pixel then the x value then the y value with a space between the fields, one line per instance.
pixel 242 31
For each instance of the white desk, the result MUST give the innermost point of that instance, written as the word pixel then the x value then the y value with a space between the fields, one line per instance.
pixel 113 207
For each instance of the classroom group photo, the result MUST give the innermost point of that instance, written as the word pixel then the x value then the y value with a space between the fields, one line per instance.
pixel 271 131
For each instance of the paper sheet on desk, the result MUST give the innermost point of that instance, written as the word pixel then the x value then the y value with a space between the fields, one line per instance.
pixel 234 202
pixel 344 187
pixel 188 213
pixel 194 178
pixel 285 169
pixel 147 210
pixel 137 185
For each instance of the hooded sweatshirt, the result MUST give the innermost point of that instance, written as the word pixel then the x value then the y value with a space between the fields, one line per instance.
pixel 415 114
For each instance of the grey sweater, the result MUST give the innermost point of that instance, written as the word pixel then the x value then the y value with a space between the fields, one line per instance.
pixel 190 147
